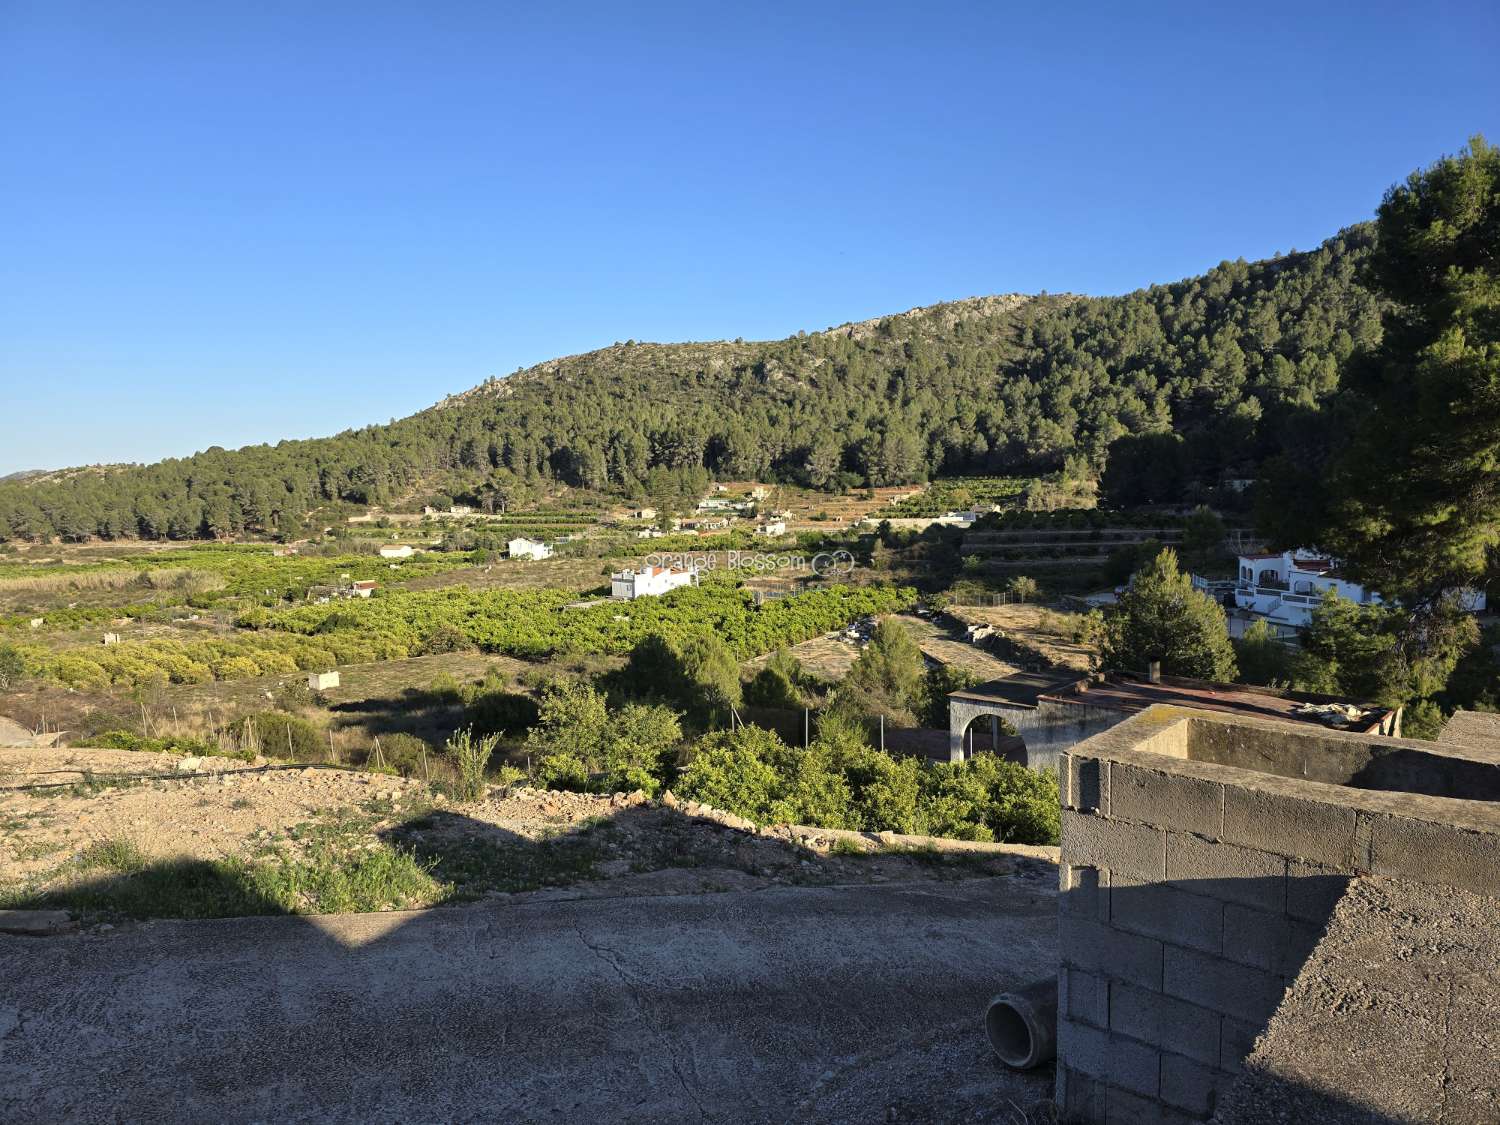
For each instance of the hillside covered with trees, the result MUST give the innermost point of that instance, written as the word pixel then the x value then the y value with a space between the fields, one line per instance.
pixel 1165 392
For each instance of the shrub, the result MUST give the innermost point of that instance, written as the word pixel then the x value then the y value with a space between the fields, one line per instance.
pixel 471 755
pixel 279 735
pixel 444 638
pixel 12 666
pixel 405 753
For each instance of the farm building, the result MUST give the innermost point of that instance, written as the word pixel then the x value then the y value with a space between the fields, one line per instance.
pixel 771 527
pixel 529 549
pixel 396 551
pixel 319 681
pixel 363 588
pixel 651 582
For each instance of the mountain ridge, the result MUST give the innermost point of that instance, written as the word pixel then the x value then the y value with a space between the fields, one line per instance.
pixel 1008 384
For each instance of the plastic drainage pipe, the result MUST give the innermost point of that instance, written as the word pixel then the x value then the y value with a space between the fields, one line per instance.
pixel 1022 1025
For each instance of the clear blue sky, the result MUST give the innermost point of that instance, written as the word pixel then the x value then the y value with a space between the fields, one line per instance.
pixel 231 222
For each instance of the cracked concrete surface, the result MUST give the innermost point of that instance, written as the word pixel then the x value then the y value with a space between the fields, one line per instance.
pixel 805 1004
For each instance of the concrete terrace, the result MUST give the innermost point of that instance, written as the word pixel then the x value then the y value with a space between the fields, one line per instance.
pixel 831 1004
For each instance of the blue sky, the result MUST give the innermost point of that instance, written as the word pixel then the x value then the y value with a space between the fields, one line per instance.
pixel 235 222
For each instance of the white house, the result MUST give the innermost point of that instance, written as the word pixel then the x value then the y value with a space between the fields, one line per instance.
pixel 321 681
pixel 771 528
pixel 529 549
pixel 363 588
pixel 1285 588
pixel 649 583
pixel 396 551
pixel 643 514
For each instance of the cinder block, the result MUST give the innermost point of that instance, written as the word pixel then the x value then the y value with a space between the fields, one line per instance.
pixel 1162 911
pixel 1310 830
pixel 1096 841
pixel 1187 804
pixel 1425 852
pixel 1085 892
pixel 1301 939
pixel 1165 1021
pixel 1084 997
pixel 1256 937
pixel 1236 1041
pixel 1313 891
pixel 1080 1096
pixel 1099 949
pixel 1246 993
pixel 1189 1085
pixel 1085 783
pixel 1226 871
pixel 1124 1108
pixel 1120 1062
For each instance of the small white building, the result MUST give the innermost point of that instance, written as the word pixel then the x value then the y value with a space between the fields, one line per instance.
pixel 643 514
pixel 319 681
pixel 649 583
pixel 771 528
pixel 396 551
pixel 528 549
pixel 650 533
pixel 759 492
pixel 111 638
pixel 460 510
pixel 363 588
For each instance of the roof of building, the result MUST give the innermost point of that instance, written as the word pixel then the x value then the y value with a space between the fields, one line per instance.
pixel 1472 730
pixel 1020 690
pixel 1120 691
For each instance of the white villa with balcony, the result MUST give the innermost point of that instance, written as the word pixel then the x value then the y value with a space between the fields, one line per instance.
pixel 1284 589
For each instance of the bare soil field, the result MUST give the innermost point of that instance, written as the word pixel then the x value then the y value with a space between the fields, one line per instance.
pixel 371 699
pixel 830 656
pixel 1037 628
pixel 69 815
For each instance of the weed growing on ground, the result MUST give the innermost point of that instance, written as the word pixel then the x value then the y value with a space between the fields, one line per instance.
pixel 471 755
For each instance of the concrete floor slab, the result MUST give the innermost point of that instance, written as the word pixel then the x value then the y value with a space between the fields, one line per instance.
pixel 806 1004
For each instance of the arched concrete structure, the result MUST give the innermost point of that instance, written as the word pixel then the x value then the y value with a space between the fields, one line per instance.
pixel 1047 727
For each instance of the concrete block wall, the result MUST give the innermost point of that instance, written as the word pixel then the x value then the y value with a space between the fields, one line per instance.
pixel 1193 891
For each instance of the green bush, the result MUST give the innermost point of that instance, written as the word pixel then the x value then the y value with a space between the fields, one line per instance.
pixel 404 753
pixel 470 756
pixel 279 735
pixel 841 782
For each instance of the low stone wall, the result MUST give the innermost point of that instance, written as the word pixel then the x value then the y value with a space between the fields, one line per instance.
pixel 1194 890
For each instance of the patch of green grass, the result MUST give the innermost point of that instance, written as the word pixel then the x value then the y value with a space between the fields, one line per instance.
pixel 474 864
pixel 842 847
pixel 35 849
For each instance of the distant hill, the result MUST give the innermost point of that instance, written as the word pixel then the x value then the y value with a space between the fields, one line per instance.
pixel 991 385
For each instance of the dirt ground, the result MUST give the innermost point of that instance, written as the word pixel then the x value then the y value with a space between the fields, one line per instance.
pixel 1035 627
pixel 830 656
pixel 216 808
